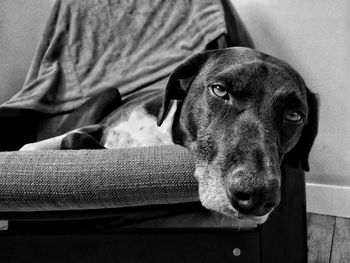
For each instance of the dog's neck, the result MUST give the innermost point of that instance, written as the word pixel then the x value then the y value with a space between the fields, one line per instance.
pixel 179 134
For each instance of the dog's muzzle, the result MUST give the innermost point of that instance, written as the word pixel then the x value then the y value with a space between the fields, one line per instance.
pixel 251 194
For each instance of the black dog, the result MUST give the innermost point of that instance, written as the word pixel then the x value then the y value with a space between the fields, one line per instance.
pixel 238 111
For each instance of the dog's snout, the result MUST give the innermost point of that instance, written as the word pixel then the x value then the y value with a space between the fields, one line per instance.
pixel 255 197
pixel 253 203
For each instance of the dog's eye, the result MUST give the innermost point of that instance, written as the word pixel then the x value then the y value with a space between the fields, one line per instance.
pixel 294 116
pixel 219 91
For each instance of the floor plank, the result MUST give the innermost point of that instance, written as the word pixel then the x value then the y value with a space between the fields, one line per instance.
pixel 320 235
pixel 341 241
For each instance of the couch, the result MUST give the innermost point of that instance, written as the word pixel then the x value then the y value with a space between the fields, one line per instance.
pixel 129 205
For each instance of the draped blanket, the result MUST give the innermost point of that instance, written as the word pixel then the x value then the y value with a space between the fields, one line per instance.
pixel 92 45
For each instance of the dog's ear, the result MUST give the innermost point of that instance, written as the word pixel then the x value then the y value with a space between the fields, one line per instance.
pixel 180 81
pixel 300 152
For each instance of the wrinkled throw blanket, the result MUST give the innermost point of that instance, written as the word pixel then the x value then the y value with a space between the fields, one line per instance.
pixel 94 47
pixel 91 45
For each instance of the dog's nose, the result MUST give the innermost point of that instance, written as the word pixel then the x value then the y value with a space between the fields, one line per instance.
pixel 255 198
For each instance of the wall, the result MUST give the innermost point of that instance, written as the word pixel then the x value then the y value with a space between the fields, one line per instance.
pixel 21 26
pixel 314 37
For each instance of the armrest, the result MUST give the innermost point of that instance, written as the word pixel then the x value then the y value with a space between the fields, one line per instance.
pixel 95 179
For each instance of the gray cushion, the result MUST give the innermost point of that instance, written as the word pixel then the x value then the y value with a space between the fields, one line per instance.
pixel 94 179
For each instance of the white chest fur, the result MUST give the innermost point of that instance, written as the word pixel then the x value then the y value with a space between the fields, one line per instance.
pixel 139 129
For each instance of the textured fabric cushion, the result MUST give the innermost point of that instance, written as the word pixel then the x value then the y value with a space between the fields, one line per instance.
pixel 94 179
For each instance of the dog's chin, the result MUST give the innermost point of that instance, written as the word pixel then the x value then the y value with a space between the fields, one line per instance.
pixel 254 219
pixel 246 219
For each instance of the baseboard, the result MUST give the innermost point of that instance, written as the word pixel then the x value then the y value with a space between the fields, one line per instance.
pixel 328 199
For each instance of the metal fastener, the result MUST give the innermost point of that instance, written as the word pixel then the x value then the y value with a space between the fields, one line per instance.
pixel 236 252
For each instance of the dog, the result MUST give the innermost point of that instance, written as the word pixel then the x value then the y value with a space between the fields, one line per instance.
pixel 238 111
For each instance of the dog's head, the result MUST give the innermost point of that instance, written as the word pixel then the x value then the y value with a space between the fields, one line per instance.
pixel 242 111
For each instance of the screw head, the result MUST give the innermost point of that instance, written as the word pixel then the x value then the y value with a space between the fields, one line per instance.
pixel 236 252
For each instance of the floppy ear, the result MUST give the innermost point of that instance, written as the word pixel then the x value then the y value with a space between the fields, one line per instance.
pixel 179 82
pixel 300 152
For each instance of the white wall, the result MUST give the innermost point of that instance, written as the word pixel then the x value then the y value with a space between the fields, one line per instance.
pixel 314 37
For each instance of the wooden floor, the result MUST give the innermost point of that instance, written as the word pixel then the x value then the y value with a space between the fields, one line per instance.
pixel 328 239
